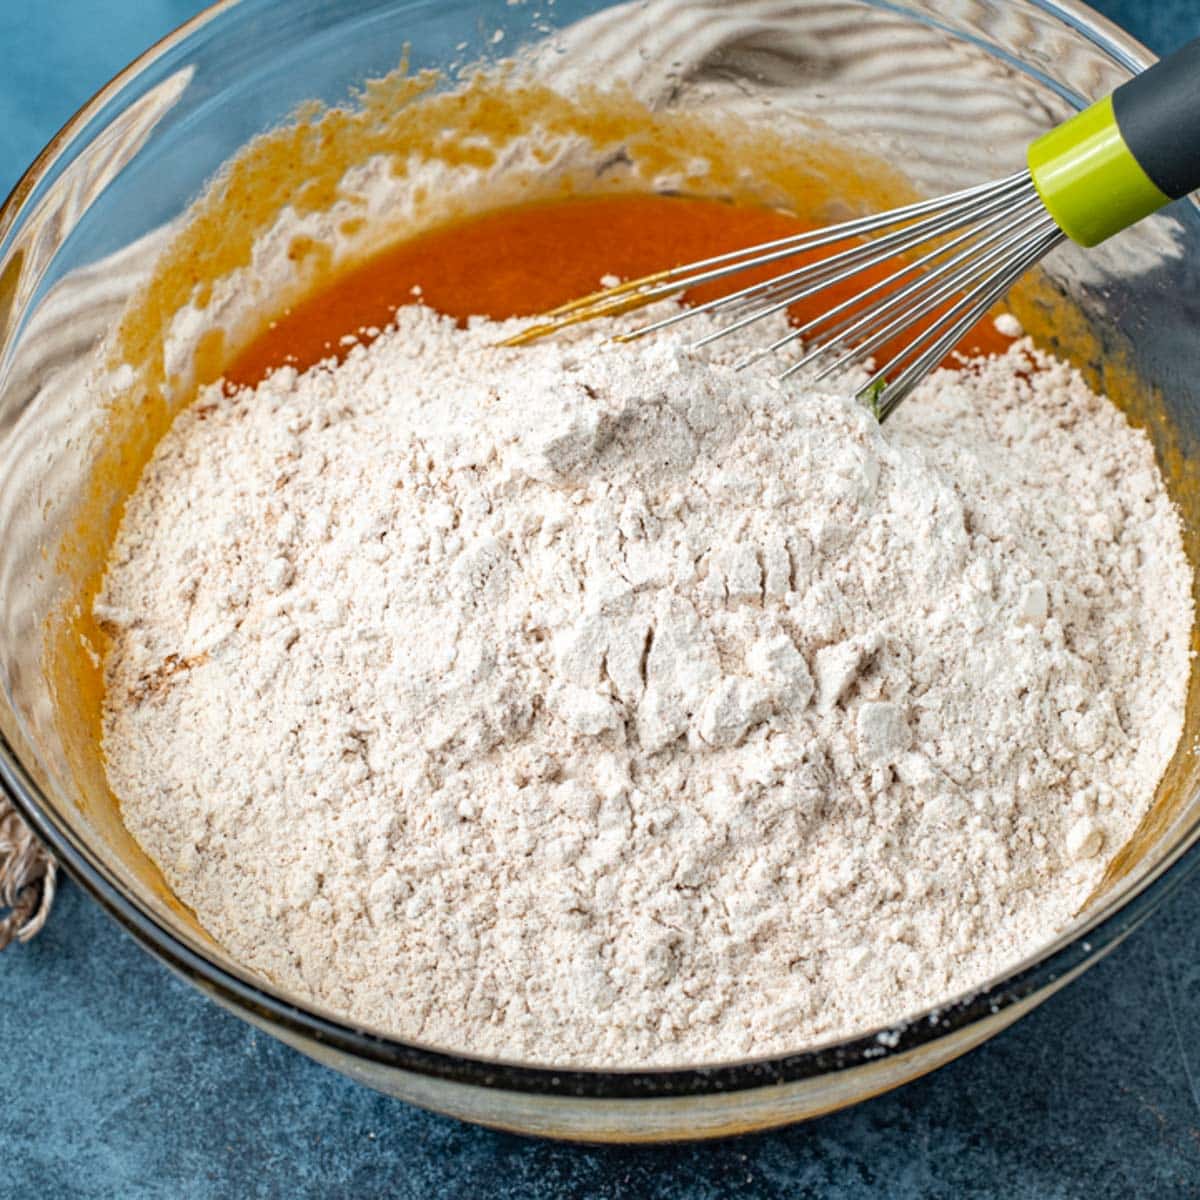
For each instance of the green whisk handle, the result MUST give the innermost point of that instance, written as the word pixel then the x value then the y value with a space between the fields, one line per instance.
pixel 1125 156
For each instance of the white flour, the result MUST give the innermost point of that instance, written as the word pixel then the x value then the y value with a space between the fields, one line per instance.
pixel 599 705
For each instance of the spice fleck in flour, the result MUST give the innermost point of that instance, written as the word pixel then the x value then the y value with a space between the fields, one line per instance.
pixel 601 705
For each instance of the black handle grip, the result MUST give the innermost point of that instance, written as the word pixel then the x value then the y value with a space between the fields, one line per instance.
pixel 1158 114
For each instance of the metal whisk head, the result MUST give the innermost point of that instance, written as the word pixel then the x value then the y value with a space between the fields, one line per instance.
pixel 954 257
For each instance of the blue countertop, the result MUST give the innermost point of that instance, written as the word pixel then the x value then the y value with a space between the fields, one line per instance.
pixel 116 1080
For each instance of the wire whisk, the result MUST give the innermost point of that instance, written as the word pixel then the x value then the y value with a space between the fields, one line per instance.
pixel 951 259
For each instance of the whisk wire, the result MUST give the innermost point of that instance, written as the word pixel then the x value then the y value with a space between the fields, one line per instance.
pixel 638 293
pixel 976 282
pixel 971 239
pixel 837 269
pixel 828 272
pixel 986 294
pixel 920 298
pixel 695 273
pixel 955 256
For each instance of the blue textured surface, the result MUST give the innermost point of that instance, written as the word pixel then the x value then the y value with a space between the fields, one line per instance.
pixel 116 1080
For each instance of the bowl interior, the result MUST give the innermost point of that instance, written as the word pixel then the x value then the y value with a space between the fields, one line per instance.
pixel 82 233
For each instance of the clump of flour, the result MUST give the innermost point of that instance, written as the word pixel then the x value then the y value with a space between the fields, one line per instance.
pixel 602 705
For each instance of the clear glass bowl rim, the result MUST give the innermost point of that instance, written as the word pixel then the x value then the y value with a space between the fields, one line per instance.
pixel 1060 961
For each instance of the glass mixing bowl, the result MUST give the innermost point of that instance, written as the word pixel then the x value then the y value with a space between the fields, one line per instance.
pixel 950 91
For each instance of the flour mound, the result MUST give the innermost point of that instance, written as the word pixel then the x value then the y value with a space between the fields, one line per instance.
pixel 601 705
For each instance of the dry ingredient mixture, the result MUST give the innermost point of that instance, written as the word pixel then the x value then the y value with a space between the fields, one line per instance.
pixel 601 705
